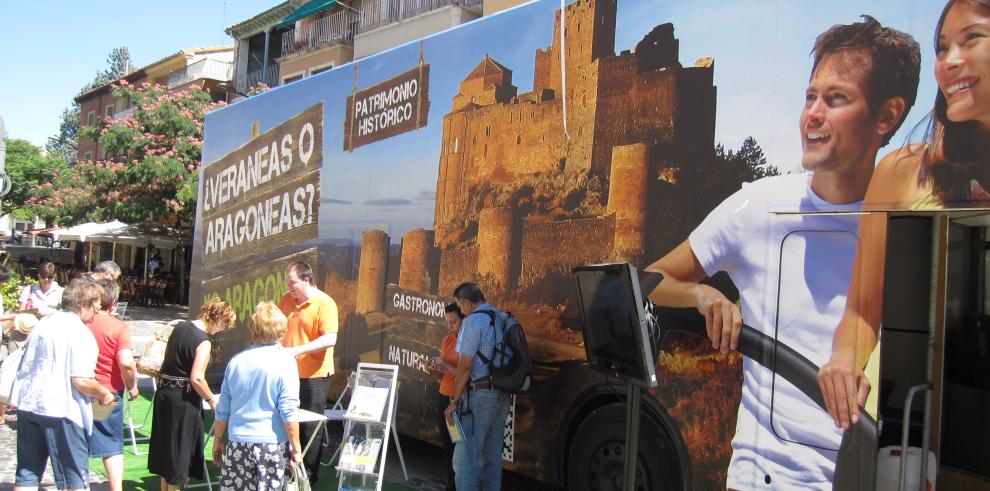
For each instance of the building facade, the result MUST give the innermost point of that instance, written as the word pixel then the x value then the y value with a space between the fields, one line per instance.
pixel 298 38
pixel 201 68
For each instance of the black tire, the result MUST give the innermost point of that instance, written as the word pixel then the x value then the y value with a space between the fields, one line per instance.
pixel 595 457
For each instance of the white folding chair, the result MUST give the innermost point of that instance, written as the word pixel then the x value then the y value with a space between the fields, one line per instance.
pixel 336 413
pixel 129 416
pixel 208 483
pixel 119 309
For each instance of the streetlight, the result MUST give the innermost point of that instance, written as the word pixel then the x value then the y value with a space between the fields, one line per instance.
pixel 4 178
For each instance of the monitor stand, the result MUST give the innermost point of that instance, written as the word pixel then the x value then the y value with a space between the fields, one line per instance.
pixel 633 410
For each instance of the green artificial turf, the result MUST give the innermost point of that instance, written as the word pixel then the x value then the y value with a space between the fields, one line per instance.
pixel 137 477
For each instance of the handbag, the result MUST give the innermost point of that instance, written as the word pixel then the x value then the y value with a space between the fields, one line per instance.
pixel 298 481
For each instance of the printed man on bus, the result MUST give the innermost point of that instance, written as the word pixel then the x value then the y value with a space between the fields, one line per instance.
pixel 792 269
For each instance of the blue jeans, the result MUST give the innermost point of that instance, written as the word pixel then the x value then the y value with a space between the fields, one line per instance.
pixel 478 459
pixel 40 438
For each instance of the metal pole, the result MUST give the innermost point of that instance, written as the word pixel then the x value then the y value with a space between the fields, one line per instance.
pixel 635 396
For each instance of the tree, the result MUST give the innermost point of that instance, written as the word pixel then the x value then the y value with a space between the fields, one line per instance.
pixel 119 64
pixel 152 164
pixel 65 143
pixel 29 169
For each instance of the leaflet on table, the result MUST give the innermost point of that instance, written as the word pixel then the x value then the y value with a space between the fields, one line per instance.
pixel 367 403
pixel 360 454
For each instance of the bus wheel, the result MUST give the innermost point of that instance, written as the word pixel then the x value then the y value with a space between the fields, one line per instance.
pixel 597 452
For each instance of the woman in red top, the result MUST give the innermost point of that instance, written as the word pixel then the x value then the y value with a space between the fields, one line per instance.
pixel 444 366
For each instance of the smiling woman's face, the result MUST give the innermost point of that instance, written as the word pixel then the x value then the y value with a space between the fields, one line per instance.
pixel 962 64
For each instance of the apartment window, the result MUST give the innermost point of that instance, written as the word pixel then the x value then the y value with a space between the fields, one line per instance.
pixel 109 111
pixel 91 118
pixel 289 80
pixel 320 70
pixel 88 155
pixel 101 153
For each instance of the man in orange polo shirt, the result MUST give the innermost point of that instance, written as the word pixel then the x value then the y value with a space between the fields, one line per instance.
pixel 311 336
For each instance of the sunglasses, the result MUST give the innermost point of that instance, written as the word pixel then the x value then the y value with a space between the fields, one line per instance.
pixel 46 276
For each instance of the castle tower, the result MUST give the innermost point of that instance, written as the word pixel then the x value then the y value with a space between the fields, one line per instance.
pixel 627 198
pixel 490 82
pixel 417 254
pixel 498 254
pixel 371 271
pixel 590 35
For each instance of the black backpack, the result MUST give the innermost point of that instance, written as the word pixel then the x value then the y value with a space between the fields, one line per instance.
pixel 510 367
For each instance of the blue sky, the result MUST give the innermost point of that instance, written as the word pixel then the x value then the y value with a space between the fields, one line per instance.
pixel 53 48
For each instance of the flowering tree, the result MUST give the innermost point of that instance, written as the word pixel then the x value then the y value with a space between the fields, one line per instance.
pixel 152 161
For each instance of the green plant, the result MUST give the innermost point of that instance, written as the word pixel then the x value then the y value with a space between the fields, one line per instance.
pixel 11 290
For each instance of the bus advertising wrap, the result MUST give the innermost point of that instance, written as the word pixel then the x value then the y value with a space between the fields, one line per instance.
pixel 727 145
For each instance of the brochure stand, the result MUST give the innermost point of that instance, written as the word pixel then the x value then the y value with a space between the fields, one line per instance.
pixel 367 424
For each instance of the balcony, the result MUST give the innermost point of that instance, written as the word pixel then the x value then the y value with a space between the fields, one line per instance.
pixel 336 27
pixel 123 115
pixel 203 69
pixel 376 14
pixel 260 76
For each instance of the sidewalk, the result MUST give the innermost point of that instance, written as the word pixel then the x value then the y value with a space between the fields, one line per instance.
pixel 143 322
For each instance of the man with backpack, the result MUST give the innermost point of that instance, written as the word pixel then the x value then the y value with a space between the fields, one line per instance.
pixel 481 407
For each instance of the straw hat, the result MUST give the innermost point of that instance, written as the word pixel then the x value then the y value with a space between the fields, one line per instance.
pixel 25 322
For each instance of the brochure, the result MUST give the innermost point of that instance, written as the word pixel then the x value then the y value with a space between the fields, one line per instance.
pixel 367 403
pixel 454 428
pixel 360 454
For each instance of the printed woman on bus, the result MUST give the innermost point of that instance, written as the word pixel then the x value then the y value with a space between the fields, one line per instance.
pixel 951 169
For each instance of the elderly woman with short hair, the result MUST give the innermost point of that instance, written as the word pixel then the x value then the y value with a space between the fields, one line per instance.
pixel 255 443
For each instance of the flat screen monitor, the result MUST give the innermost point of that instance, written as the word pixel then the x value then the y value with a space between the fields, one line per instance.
pixel 614 323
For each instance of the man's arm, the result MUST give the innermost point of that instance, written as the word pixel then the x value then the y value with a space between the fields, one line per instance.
pixel 125 360
pixel 319 344
pixel 461 375
pixel 90 388
pixel 682 271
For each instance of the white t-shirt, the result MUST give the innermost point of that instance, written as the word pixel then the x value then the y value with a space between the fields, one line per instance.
pixel 46 302
pixel 792 272
pixel 59 348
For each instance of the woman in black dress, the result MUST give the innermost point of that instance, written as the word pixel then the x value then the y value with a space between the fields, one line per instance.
pixel 176 449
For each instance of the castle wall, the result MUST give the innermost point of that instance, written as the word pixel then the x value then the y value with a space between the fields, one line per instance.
pixel 627 198
pixel 371 271
pixel 555 247
pixel 456 267
pixel 417 254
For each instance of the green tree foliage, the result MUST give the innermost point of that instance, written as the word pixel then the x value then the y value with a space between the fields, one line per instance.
pixel 152 164
pixel 11 290
pixel 65 143
pixel 30 170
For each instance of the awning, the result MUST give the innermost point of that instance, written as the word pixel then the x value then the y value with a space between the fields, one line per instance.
pixel 308 9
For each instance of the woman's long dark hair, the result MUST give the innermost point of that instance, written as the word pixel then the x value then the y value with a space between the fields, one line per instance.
pixel 954 164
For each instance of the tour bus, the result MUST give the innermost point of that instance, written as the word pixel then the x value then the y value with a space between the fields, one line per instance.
pixel 515 148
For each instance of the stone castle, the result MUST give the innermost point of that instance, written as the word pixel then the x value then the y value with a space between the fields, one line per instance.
pixel 517 200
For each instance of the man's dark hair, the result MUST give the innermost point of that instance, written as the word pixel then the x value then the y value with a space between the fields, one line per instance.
pixel 111 292
pixel 895 61
pixel 302 270
pixel 470 292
